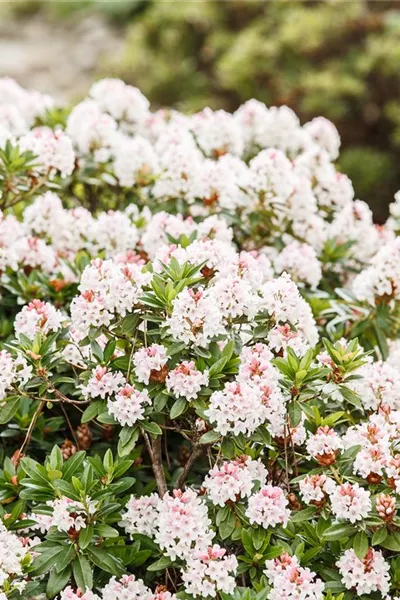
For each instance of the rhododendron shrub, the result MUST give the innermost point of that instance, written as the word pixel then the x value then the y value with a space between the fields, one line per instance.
pixel 200 365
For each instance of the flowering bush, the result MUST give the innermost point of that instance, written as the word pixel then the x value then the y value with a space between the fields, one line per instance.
pixel 200 366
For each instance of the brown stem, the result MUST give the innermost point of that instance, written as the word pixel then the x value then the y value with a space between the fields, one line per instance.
pixel 155 451
pixel 197 452
pixel 23 196
pixel 31 427
pixel 70 427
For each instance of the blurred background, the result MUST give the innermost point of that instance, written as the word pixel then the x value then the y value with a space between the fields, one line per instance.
pixel 336 58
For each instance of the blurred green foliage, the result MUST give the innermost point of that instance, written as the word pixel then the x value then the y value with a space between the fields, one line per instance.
pixel 117 10
pixel 335 58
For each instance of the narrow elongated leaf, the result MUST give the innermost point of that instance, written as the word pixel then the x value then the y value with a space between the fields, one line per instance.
pixel 57 581
pixel 338 531
pixel 160 565
pixel 83 573
pixel 360 544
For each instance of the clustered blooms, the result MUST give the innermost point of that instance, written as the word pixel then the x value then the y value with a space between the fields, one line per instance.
pixel 202 281
pixel 129 404
pixel 13 371
pixel 289 580
pixel 141 515
pixel 268 507
pixel 70 594
pixel 180 526
pixel 70 515
pixel 106 288
pixel 324 445
pixel 367 575
pixel 12 554
pixel 210 572
pixel 38 317
pixel 238 408
pixel 185 381
pixel 233 480
pixel 183 524
pixel 315 488
pixel 149 362
pixel 118 589
pixel 350 502
pixel 103 383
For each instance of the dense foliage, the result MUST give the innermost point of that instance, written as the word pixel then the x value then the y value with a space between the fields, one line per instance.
pixel 200 359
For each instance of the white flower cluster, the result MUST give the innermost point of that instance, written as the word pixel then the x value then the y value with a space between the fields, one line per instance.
pixel 380 280
pixel 180 525
pixel 350 502
pixel 141 515
pixel 70 594
pixel 378 455
pixel 379 385
pixel 268 507
pixel 53 149
pixel 315 488
pixel 183 524
pixel 147 360
pixel 257 159
pixel 255 398
pixel 291 581
pixel 107 288
pixel 12 371
pixel 71 515
pixel 367 575
pixel 324 445
pixel 12 553
pixel 38 317
pixel 234 480
pixel 186 381
pixel 210 572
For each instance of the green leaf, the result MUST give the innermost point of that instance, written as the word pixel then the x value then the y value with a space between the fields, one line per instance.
pixel 106 418
pixel 392 542
pixel 83 573
pixel 104 560
pixel 294 411
pixel 109 350
pixel 178 408
pixel 105 531
pixel 227 526
pixel 303 515
pixel 160 565
pixel 217 367
pixel 360 544
pixel 86 536
pixel 57 581
pixel 210 437
pixel 127 440
pixel 121 363
pixel 45 561
pixel 350 396
pixel 9 409
pixel 379 536
pixel 65 557
pixel 338 531
pixel 140 558
pixel 247 541
pixel 91 411
pixel 228 447
pixel 151 427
